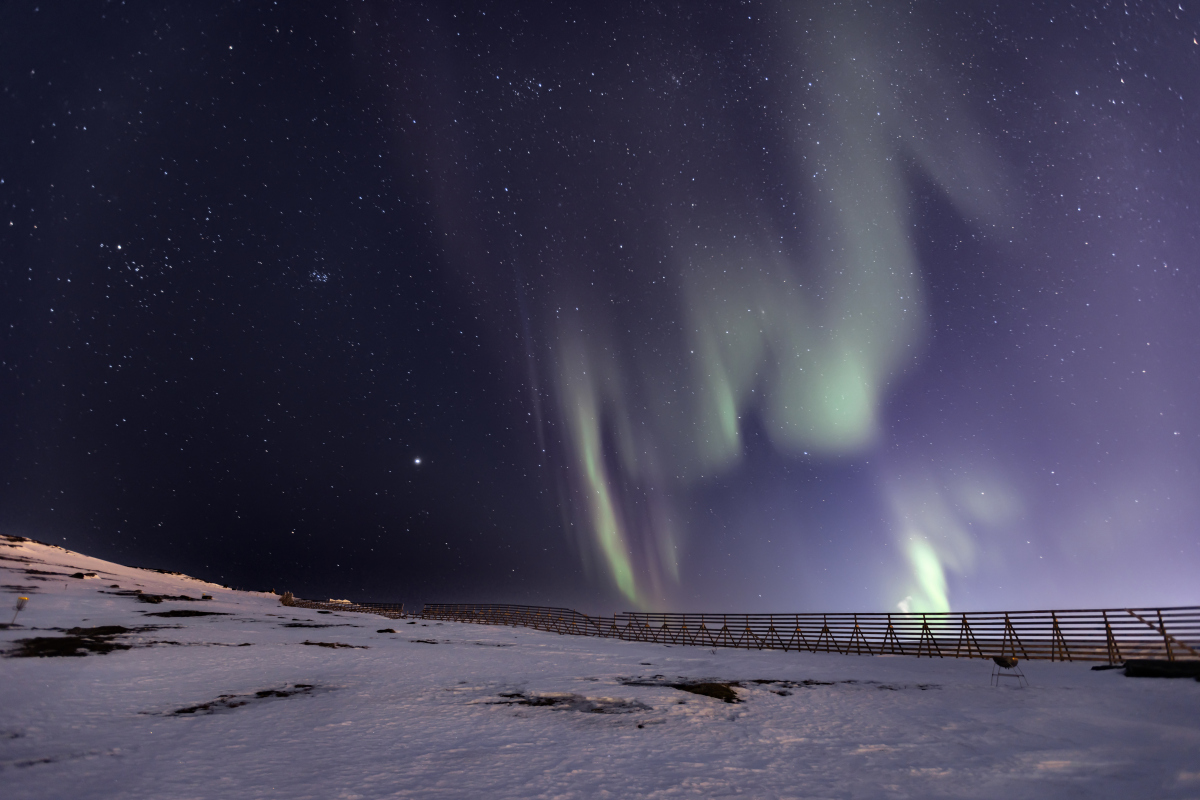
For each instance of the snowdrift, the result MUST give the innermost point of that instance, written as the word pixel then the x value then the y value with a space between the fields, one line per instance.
pixel 122 682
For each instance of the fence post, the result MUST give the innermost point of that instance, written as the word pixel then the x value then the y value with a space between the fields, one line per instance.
pixel 891 633
pixel 932 641
pixel 1009 630
pixel 1114 650
pixel 1162 628
pixel 860 640
pixel 965 634
pixel 1057 639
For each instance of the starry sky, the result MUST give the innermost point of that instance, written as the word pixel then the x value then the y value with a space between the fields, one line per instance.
pixel 705 306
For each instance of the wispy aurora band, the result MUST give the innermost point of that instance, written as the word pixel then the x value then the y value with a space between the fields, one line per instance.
pixel 810 344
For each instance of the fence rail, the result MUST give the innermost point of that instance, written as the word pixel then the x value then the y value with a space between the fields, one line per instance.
pixel 1111 635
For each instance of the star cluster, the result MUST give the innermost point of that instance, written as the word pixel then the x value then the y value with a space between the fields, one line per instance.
pixel 767 306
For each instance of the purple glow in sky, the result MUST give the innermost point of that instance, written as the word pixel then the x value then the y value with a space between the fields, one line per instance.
pixel 766 307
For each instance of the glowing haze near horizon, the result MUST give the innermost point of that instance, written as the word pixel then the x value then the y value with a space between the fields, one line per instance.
pixel 741 307
pixel 941 271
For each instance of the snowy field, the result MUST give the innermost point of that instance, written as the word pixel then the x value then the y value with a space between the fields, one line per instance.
pixel 246 702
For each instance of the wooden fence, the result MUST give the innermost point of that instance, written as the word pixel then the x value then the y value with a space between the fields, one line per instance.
pixel 1111 635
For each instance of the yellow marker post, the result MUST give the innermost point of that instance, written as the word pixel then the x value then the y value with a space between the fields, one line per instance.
pixel 21 601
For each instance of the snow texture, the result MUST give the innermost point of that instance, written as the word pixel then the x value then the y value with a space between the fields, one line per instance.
pixel 256 700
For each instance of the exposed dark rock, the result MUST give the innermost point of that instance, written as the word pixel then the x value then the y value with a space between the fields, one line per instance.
pixel 230 701
pixel 99 630
pixel 147 597
pixel 718 691
pixel 77 643
pixel 573 702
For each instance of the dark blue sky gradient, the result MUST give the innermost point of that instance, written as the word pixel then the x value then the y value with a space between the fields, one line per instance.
pixel 705 307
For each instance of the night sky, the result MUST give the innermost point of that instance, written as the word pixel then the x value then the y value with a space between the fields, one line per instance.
pixel 740 306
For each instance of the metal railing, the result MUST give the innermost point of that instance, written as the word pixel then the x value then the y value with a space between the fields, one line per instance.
pixel 1111 635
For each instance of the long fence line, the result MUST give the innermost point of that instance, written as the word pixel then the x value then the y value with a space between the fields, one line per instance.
pixel 1112 635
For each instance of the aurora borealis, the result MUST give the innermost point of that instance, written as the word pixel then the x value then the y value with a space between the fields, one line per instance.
pixel 743 307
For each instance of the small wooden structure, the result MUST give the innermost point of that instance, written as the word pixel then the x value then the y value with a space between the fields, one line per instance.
pixel 389 610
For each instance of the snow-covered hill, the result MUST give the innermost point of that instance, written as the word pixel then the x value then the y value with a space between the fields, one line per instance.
pixel 237 696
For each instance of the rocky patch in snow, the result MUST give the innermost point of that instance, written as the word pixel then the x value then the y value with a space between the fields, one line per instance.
pixel 77 642
pixel 227 702
pixel 568 701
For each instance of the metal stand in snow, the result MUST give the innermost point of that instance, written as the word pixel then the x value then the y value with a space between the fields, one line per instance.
pixel 1006 667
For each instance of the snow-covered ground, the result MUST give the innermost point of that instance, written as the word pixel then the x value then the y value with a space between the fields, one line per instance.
pixel 245 703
